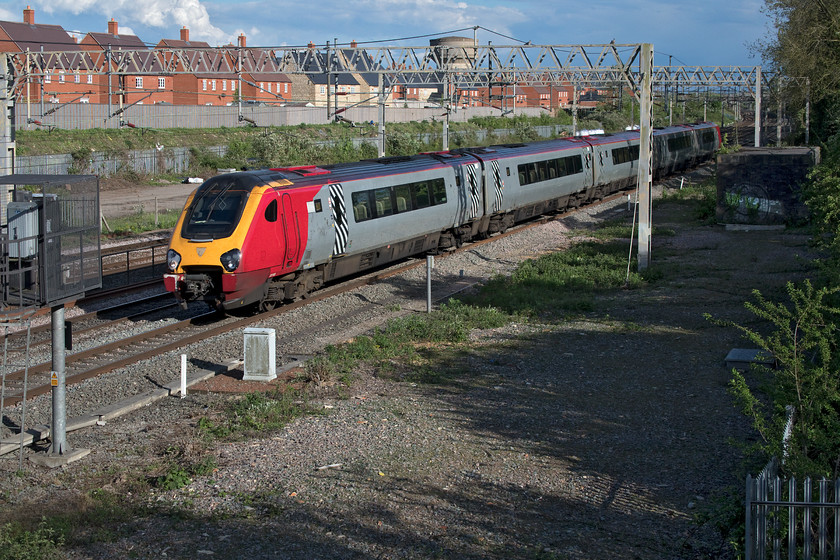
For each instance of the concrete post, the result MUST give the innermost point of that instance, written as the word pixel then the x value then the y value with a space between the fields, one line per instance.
pixel 645 179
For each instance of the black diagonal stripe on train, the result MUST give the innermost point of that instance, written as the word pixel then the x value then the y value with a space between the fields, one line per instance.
pixel 339 218
pixel 499 185
pixel 474 195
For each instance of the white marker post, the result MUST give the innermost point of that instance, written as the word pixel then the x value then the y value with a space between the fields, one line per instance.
pixel 430 264
pixel 183 375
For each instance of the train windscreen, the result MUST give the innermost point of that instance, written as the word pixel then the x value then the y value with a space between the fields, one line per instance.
pixel 217 206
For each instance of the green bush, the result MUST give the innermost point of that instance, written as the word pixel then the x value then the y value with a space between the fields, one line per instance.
pixel 803 340
pixel 18 543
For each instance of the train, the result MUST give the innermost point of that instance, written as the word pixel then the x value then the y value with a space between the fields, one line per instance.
pixel 263 237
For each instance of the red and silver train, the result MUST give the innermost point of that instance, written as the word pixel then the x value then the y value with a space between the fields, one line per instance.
pixel 268 236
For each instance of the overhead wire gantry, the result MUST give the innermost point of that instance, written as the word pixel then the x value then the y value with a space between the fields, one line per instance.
pixel 473 65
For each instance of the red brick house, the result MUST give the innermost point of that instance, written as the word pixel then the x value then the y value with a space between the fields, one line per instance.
pixel 57 84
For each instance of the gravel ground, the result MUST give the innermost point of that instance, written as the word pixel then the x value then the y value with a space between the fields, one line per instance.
pixel 596 437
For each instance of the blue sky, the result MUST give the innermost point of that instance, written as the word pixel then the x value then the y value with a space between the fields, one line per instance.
pixel 711 32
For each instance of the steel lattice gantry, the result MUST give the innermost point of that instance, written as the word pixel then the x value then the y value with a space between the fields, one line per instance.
pixel 630 65
pixel 473 65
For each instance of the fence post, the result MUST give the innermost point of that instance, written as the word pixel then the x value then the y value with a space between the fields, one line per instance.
pixel 748 538
pixel 792 519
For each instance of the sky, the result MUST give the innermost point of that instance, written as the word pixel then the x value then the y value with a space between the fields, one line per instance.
pixel 691 33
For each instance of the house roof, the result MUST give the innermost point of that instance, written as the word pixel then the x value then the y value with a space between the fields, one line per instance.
pixel 37 37
pixel 269 77
pixel 180 44
pixel 118 41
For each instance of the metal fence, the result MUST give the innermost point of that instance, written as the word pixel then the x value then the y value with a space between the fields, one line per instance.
pixel 792 519
pixel 78 116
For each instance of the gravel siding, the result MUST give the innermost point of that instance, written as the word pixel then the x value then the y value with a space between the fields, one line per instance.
pixel 597 437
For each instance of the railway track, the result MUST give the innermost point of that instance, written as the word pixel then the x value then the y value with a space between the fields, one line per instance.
pixel 99 359
pixel 88 363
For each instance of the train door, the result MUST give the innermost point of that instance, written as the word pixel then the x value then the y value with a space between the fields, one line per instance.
pixel 291 230
pixel 469 181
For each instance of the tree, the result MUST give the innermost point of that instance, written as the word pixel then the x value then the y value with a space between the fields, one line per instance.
pixel 807 42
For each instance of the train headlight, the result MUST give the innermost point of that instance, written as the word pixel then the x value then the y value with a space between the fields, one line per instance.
pixel 173 260
pixel 230 260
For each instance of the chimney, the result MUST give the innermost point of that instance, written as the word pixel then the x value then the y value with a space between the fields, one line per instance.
pixel 353 44
pixel 29 16
pixel 241 41
pixel 112 27
pixel 185 34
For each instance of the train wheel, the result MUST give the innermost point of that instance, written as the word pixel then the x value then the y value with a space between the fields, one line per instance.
pixel 267 305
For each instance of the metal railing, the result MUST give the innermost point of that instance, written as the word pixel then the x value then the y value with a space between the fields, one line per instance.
pixel 792 520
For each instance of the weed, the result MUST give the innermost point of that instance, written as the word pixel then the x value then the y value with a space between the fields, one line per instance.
pixel 19 543
pixel 257 413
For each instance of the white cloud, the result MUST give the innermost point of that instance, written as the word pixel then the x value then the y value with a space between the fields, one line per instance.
pixel 151 13
pixel 8 15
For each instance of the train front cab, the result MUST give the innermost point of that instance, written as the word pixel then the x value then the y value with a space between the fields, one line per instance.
pixel 211 256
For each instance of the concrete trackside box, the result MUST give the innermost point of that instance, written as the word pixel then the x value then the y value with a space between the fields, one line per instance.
pixel 761 185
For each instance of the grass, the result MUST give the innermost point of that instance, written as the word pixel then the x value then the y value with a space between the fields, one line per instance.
pixel 141 222
pixel 562 282
pixel 700 198
pixel 117 141
pixel 256 413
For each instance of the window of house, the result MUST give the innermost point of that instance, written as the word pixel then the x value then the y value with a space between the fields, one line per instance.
pixel 323 89
pixel 60 77
pixel 77 78
pixel 224 85
pixel 285 88
pixel 161 83
pixel 213 85
pixel 138 82
pixel 90 78
pixel 47 78
pixel 203 85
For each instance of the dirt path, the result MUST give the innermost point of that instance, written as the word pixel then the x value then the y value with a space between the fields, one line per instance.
pixel 127 199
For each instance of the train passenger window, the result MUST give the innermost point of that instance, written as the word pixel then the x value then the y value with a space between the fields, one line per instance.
pixel 542 170
pixel 523 173
pixel 508 171
pixel 271 211
pixel 439 187
pixel 573 165
pixel 384 207
pixel 403 195
pixel 421 194
pixel 362 206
